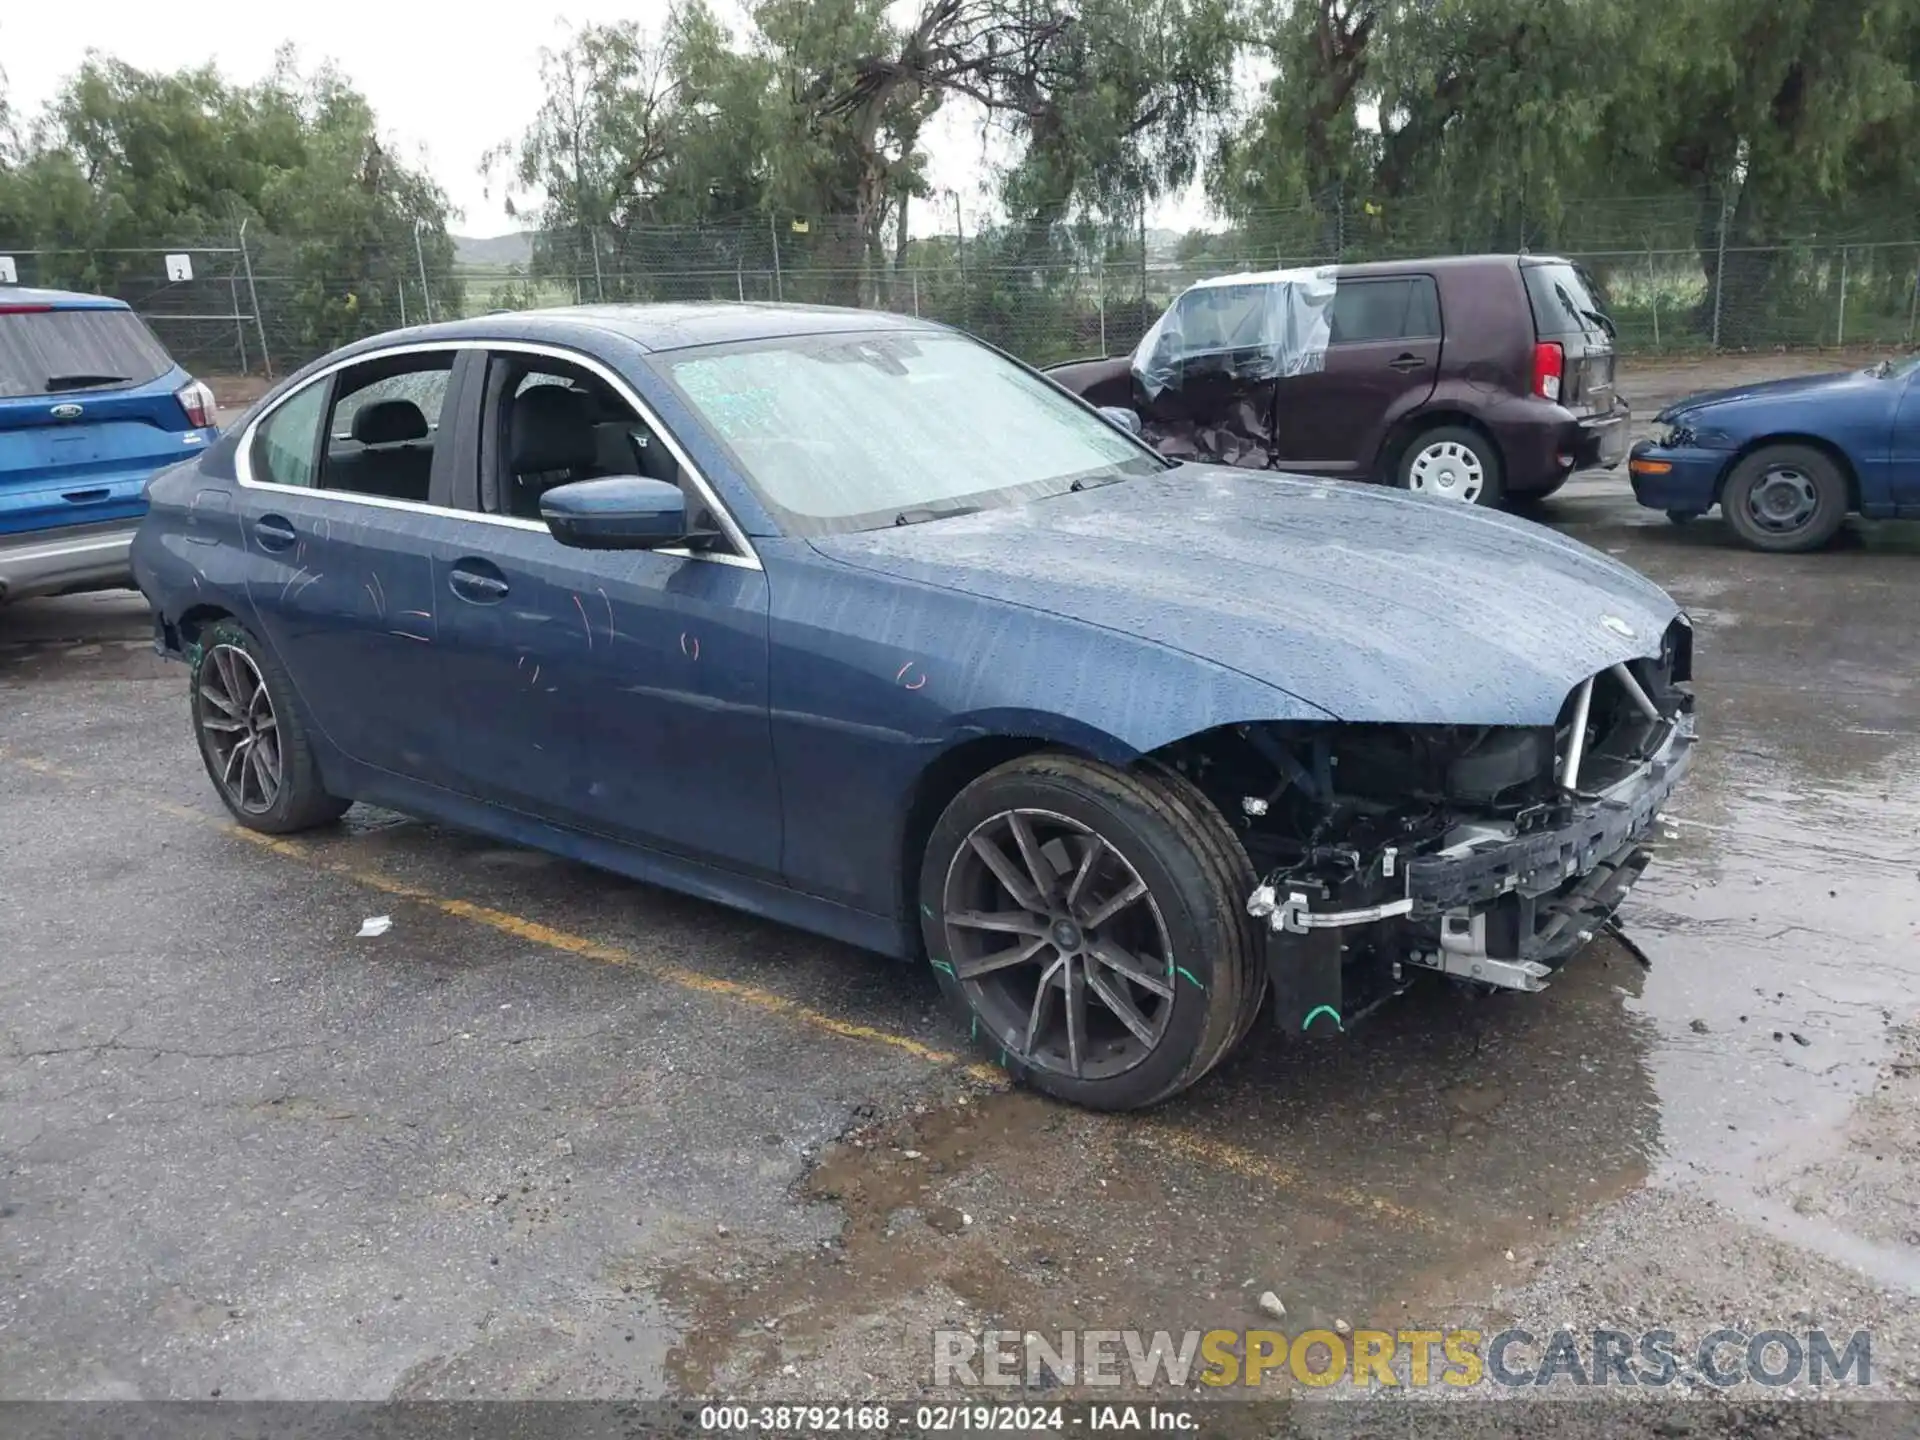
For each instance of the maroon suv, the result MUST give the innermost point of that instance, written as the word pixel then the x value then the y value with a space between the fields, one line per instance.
pixel 1474 377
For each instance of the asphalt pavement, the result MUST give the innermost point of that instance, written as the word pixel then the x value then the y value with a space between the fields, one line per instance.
pixel 557 1134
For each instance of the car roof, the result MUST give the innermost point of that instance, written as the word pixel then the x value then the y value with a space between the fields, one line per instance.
pixel 1445 262
pixel 658 326
pixel 12 296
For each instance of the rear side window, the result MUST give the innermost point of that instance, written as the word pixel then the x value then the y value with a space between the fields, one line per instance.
pixel 1399 308
pixel 1563 303
pixel 55 352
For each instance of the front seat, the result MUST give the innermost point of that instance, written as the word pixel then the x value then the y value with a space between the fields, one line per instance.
pixel 550 441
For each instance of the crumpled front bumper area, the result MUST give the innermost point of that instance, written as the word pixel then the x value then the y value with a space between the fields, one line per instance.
pixel 1496 904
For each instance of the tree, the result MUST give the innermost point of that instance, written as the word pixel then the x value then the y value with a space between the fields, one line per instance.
pixel 127 161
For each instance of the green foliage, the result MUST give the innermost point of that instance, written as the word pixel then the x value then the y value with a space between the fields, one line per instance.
pixel 1420 126
pixel 125 160
pixel 817 111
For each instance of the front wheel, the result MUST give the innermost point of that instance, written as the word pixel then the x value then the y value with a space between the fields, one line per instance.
pixel 251 736
pixel 1785 498
pixel 1452 463
pixel 1089 925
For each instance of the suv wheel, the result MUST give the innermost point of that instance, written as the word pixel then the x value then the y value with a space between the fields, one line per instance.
pixel 1089 925
pixel 1785 498
pixel 1453 463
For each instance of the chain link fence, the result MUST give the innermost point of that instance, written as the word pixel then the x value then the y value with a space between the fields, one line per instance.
pixel 1677 274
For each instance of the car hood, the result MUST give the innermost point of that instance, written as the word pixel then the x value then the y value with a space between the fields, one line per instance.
pixel 1794 387
pixel 1371 604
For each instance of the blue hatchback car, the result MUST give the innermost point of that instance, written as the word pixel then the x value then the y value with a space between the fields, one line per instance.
pixel 91 407
pixel 1787 460
pixel 850 621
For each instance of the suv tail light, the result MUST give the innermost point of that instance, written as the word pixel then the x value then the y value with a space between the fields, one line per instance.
pixel 197 400
pixel 1549 364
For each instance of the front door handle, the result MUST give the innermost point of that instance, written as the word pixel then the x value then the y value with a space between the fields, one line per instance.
pixel 1405 363
pixel 274 532
pixel 478 582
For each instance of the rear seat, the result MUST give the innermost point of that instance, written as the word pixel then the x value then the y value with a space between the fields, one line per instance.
pixel 390 462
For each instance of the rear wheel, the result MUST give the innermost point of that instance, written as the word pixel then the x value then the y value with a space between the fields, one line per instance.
pixel 1785 498
pixel 1089 923
pixel 1452 463
pixel 252 739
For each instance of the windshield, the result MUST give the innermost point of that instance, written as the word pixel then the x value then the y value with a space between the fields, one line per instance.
pixel 852 432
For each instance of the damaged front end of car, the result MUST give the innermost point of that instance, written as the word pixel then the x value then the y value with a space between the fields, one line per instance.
pixel 1488 854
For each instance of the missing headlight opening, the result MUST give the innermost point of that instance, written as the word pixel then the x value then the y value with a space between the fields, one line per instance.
pixel 1489 854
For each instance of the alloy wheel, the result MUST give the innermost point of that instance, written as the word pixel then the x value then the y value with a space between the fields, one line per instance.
pixel 1448 469
pixel 239 728
pixel 1783 501
pixel 1059 944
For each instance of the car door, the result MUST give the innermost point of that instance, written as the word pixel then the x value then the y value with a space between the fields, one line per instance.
pixel 347 527
pixel 1904 470
pixel 1382 360
pixel 623 692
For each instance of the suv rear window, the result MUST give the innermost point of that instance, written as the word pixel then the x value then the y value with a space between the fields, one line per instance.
pixel 52 352
pixel 1562 303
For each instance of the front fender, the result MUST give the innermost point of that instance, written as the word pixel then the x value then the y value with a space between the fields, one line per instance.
pixel 876 679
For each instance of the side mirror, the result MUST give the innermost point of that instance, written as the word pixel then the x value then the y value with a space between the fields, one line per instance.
pixel 624 512
pixel 1122 417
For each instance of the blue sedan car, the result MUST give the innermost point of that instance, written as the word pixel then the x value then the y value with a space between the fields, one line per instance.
pixel 1787 460
pixel 850 621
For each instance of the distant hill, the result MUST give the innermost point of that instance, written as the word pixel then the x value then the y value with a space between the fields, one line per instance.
pixel 493 251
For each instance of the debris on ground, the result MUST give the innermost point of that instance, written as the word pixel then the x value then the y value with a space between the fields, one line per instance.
pixel 1270 1304
pixel 374 925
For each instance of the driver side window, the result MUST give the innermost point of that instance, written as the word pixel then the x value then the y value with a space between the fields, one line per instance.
pixel 555 423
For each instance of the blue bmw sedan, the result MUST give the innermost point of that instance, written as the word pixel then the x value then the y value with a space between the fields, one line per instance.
pixel 850 621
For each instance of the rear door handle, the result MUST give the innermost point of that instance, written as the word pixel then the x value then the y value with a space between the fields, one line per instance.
pixel 274 532
pixel 478 582
pixel 1405 363
pixel 84 497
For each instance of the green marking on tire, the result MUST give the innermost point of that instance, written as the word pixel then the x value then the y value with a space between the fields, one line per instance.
pixel 943 965
pixel 974 1033
pixel 1315 1013
pixel 927 910
pixel 1190 978
pixel 1003 1057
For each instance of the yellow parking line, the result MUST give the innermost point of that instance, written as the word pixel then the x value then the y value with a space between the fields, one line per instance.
pixel 1219 1154
pixel 1237 1160
pixel 534 933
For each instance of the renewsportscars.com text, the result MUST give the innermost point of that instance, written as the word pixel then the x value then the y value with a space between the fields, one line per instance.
pixel 1412 1358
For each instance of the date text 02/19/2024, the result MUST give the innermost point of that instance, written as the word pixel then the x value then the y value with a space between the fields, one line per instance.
pixel 878 1419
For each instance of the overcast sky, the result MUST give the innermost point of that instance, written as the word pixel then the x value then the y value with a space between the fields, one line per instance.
pixel 446 81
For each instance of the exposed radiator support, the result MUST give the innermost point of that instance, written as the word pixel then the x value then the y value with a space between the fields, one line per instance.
pixel 1636 694
pixel 1577 738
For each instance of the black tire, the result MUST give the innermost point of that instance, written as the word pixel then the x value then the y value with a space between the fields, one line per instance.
pixel 1785 498
pixel 225 703
pixel 1464 445
pixel 1139 827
